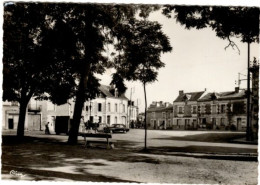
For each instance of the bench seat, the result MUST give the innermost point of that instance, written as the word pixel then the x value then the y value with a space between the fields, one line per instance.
pixel 106 136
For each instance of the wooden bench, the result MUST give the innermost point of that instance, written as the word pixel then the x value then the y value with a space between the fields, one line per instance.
pixel 97 135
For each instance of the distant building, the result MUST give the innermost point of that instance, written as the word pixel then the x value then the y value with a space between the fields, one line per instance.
pixel 223 111
pixel 132 114
pixel 10 115
pixel 185 110
pixel 141 117
pixel 159 115
pixel 107 108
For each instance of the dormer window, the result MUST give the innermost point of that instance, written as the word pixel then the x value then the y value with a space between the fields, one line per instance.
pixel 186 97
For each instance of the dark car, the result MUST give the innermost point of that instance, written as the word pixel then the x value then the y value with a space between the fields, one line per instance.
pixel 116 128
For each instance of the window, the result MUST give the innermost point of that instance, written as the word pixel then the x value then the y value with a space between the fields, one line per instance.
pixel 214 108
pixel 108 120
pixel 99 119
pixel 187 122
pixel 178 121
pixel 222 108
pixel 194 110
pixel 202 109
pixel 115 120
pixel 180 110
pixel 116 107
pixel 163 115
pixel 222 121
pixel 123 107
pixel 91 119
pixel 99 107
pixel 214 121
pixel 108 107
pixel 86 108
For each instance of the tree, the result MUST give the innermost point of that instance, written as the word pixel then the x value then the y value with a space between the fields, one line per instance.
pixel 34 54
pixel 227 22
pixel 139 54
pixel 61 49
pixel 101 25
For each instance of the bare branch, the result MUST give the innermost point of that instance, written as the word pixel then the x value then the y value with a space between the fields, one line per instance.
pixel 232 44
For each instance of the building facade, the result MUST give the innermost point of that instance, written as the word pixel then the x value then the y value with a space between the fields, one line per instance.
pixel 185 110
pixel 107 108
pixel 159 116
pixel 223 111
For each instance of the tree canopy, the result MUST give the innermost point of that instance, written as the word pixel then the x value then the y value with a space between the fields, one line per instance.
pixel 227 22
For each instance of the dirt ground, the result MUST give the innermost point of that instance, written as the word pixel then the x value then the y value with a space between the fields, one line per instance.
pixel 40 159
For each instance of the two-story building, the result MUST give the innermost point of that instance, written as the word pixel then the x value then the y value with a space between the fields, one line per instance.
pixel 159 115
pixel 223 110
pixel 109 107
pixel 185 110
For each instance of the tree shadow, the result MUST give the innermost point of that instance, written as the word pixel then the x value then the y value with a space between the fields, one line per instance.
pixel 48 158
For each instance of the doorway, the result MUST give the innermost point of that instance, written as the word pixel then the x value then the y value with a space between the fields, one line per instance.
pixel 239 120
pixel 10 123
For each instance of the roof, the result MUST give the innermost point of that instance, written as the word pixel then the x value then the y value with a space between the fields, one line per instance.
pixel 160 109
pixel 191 96
pixel 223 96
pixel 105 90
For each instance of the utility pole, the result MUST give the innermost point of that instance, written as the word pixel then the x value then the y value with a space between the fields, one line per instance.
pixel 248 124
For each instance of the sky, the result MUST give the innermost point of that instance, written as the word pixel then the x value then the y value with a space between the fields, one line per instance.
pixel 198 60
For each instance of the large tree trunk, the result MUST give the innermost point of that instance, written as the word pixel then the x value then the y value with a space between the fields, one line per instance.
pixel 89 43
pixel 145 124
pixel 21 121
pixel 22 114
pixel 80 99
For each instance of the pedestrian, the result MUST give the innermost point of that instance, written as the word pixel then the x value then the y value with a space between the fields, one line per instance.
pixel 47 131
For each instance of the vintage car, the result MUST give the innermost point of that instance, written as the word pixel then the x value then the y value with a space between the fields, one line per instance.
pixel 116 128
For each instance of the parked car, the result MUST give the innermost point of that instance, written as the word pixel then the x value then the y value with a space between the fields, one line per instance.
pixel 116 128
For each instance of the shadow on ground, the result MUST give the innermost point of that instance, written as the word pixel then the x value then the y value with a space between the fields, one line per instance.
pixel 209 137
pixel 40 157
pixel 51 159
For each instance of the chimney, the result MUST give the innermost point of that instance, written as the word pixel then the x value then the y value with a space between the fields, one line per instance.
pixel 116 93
pixel 205 89
pixel 181 92
pixel 236 89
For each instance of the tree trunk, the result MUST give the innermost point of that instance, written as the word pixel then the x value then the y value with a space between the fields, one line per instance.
pixel 145 124
pixel 248 121
pixel 80 99
pixel 22 115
